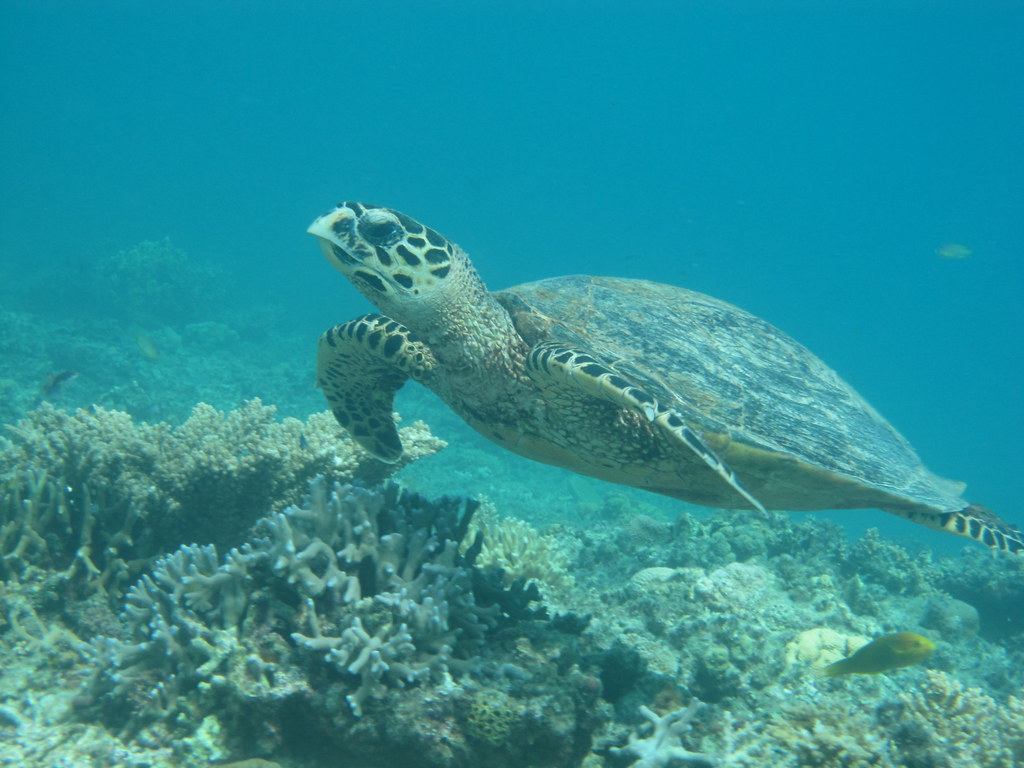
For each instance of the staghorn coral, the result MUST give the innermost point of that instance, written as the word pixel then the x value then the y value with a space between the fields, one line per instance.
pixel 173 660
pixel 407 593
pixel 663 748
pixel 49 522
pixel 366 583
pixel 86 492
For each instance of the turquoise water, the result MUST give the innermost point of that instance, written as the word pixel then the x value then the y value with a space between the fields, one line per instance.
pixel 810 162
pixel 803 161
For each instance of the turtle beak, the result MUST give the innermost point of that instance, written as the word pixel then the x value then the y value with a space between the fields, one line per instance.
pixel 336 232
pixel 333 223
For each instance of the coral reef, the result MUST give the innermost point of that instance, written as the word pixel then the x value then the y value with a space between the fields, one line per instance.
pixel 39 672
pixel 818 732
pixel 721 607
pixel 940 723
pixel 373 624
pixel 374 578
pixel 358 624
pixel 354 596
pixel 946 720
pixel 95 495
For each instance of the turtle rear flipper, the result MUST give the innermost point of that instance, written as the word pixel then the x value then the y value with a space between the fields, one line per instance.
pixel 361 364
pixel 972 522
pixel 551 364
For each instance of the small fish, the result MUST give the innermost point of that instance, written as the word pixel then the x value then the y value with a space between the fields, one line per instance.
pixel 55 383
pixel 147 346
pixel 882 654
pixel 953 251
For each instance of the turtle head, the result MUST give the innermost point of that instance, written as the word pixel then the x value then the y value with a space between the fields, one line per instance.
pixel 399 264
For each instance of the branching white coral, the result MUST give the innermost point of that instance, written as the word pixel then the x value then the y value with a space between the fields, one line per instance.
pixel 383 595
pixel 664 747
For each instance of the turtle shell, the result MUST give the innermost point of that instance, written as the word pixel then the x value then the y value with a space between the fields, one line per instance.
pixel 793 431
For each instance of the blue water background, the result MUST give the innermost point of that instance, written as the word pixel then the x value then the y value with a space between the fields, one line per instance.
pixel 803 160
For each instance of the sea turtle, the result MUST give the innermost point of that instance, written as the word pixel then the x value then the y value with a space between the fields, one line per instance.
pixel 630 381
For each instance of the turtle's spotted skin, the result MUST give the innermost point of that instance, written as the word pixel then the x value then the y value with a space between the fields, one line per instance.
pixel 629 381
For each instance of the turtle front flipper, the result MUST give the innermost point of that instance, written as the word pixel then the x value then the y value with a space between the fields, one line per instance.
pixel 360 366
pixel 551 364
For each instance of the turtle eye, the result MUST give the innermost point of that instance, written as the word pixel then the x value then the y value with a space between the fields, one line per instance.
pixel 378 228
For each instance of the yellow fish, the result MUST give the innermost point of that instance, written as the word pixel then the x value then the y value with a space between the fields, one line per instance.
pixel 882 654
pixel 147 346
